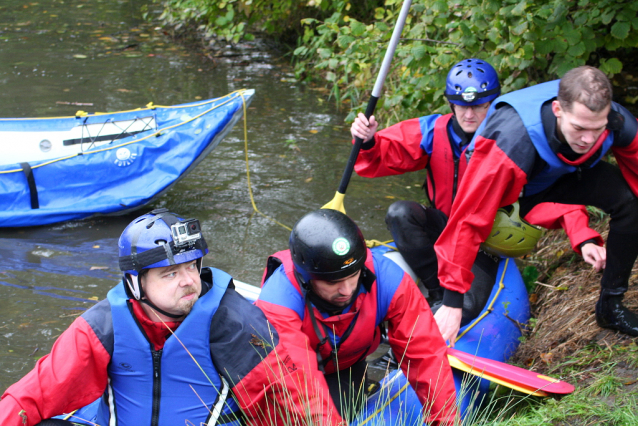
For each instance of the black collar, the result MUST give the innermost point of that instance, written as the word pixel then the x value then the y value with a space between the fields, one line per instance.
pixel 465 137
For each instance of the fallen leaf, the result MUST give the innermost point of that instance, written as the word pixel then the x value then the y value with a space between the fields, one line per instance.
pixel 96 246
pixel 95 268
pixel 313 131
pixel 122 90
pixel 93 298
pixel 547 358
pixel 533 298
pixel 309 180
pixel 78 56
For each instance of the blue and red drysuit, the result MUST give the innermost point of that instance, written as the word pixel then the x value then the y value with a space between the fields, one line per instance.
pixel 388 295
pixel 437 143
pixel 104 354
pixel 517 155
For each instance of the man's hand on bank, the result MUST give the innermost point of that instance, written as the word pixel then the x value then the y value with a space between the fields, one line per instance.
pixel 595 255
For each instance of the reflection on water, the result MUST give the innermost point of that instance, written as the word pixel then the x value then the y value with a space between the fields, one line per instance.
pixel 55 55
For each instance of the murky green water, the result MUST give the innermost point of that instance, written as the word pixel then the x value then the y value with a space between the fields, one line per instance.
pixel 57 54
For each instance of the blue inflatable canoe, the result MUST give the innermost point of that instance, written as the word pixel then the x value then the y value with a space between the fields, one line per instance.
pixel 58 169
pixel 494 334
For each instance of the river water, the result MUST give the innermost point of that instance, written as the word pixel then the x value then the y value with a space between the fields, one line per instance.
pixel 55 55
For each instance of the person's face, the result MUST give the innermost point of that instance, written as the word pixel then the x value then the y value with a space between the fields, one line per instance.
pixel 471 117
pixel 337 292
pixel 174 289
pixel 580 127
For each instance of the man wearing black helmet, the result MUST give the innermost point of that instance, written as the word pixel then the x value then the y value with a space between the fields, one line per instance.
pixel 172 344
pixel 329 295
pixel 438 143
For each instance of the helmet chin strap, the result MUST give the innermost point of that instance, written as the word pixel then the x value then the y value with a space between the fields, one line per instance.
pixel 149 303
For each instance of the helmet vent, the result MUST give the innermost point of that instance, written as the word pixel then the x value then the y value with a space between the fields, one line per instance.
pixel 150 225
pixel 469 74
pixel 160 242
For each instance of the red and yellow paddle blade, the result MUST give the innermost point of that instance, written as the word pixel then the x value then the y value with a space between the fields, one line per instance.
pixel 511 376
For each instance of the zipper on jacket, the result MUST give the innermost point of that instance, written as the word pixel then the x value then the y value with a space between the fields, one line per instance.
pixel 456 178
pixel 157 386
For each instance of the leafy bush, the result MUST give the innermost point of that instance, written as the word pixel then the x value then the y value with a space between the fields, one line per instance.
pixel 342 42
pixel 526 41
pixel 233 20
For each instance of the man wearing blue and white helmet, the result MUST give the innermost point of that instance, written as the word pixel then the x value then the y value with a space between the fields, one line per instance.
pixel 438 144
pixel 173 343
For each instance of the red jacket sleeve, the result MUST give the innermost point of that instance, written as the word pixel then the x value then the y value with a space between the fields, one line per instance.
pixel 294 375
pixel 627 158
pixel 419 347
pixel 396 150
pixel 574 219
pixel 73 375
pixel 492 180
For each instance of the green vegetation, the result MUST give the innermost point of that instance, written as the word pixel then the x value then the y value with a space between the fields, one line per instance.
pixel 341 43
pixel 605 392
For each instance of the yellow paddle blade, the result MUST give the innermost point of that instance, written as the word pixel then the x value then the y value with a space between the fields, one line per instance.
pixel 336 203
pixel 460 365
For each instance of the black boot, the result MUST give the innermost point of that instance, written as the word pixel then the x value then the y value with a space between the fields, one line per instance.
pixel 622 249
pixel 610 313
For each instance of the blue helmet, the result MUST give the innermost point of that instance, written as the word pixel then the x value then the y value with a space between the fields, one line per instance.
pixel 472 82
pixel 157 239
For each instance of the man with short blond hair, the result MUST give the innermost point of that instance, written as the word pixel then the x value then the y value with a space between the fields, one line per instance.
pixel 541 144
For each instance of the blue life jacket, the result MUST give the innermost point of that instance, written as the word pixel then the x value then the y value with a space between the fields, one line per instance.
pixel 528 103
pixel 166 387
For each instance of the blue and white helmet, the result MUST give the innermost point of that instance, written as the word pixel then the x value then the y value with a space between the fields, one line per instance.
pixel 157 239
pixel 472 82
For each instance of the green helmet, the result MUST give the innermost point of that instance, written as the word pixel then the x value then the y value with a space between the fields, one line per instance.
pixel 511 235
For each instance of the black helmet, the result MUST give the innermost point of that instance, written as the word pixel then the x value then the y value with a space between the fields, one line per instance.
pixel 327 245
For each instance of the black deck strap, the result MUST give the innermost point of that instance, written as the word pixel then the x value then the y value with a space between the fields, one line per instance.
pixel 26 168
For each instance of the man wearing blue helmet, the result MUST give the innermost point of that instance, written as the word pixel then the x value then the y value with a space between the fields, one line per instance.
pixel 437 143
pixel 548 143
pixel 173 344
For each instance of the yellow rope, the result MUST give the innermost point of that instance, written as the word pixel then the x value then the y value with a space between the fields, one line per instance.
pixel 490 308
pixel 158 132
pixel 150 106
pixel 250 189
pixel 384 405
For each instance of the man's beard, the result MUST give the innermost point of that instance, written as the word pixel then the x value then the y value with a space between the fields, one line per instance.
pixel 185 306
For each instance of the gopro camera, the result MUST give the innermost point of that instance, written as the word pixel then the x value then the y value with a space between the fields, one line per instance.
pixel 186 232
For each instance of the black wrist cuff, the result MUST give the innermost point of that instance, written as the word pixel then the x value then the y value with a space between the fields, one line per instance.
pixel 368 145
pixel 452 299
pixel 591 240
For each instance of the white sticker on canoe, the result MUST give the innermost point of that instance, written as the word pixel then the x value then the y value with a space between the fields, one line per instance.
pixel 124 157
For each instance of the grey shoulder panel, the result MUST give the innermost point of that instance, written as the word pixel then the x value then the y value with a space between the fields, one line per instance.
pixel 240 337
pixel 99 317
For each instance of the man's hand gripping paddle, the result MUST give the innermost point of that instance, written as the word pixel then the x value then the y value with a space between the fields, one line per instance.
pixel 337 201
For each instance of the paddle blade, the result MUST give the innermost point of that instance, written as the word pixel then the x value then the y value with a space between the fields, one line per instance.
pixel 461 366
pixel 336 203
pixel 512 374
